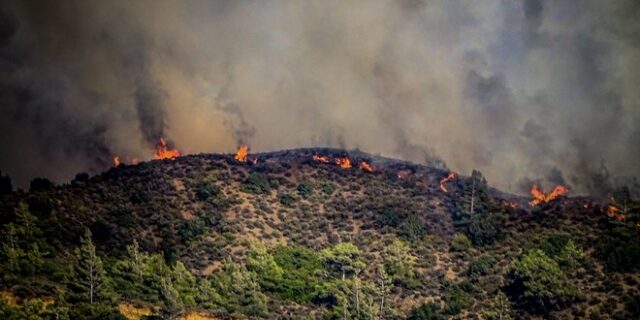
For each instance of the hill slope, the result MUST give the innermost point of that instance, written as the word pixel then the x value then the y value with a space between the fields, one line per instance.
pixel 285 236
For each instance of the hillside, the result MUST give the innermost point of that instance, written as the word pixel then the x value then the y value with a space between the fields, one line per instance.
pixel 289 235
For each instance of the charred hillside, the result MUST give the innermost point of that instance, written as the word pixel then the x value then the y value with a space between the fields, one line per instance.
pixel 322 233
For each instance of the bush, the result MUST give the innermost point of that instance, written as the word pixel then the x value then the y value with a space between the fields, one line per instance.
pixel 40 184
pixel 191 229
pixel 5 184
pixel 287 200
pixel 538 281
pixel 256 183
pixel 411 229
pixel 80 178
pixel 460 242
pixel 206 190
pixel 299 273
pixel 426 311
pixel 553 244
pixel 485 229
pixel 40 205
pixel 480 266
pixel 305 189
pixel 328 188
pixel 619 249
pixel 388 217
pixel 457 297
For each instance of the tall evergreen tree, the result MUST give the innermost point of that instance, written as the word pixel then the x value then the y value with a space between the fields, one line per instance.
pixel 90 275
pixel 475 197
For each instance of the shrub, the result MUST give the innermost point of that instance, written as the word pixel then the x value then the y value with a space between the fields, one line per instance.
pixel 287 200
pixel 457 297
pixel 5 184
pixel 305 189
pixel 388 217
pixel 80 178
pixel 460 242
pixel 485 229
pixel 411 229
pixel 206 190
pixel 328 188
pixel 538 281
pixel 299 273
pixel 480 266
pixel 40 184
pixel 619 249
pixel 256 183
pixel 191 229
pixel 426 311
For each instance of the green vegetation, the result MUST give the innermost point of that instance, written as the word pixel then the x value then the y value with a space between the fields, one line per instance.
pixel 485 229
pixel 298 240
pixel 539 281
pixel 256 183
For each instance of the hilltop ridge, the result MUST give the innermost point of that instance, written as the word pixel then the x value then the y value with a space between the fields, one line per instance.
pixel 280 222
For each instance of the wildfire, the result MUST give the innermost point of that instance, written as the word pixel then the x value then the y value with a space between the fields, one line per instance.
pixel 241 154
pixel 612 212
pixel 118 161
pixel 322 159
pixel 539 196
pixel 163 152
pixel 343 162
pixel 446 179
pixel 366 166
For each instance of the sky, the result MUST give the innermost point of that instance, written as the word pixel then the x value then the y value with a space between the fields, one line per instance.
pixel 525 91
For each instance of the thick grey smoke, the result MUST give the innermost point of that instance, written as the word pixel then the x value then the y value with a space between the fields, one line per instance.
pixel 525 91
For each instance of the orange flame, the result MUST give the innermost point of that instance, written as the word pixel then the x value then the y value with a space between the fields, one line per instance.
pixel 539 196
pixel 322 159
pixel 612 211
pixel 446 179
pixel 163 152
pixel 241 154
pixel 366 166
pixel 116 161
pixel 343 162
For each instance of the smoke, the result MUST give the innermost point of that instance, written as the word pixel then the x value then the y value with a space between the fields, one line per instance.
pixel 534 91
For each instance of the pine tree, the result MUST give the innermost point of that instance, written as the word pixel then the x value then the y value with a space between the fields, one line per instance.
pixel 11 251
pixel 475 197
pixel 89 271
pixel 172 306
pixel 136 261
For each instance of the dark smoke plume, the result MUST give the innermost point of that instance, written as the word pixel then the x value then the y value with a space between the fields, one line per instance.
pixel 533 91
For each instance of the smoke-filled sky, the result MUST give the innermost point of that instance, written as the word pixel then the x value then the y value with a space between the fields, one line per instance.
pixel 521 90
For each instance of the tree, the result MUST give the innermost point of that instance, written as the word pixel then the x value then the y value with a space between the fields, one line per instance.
pixel 398 262
pixel 539 281
pixel 460 242
pixel 426 311
pixel 90 274
pixel 5 184
pixel 185 283
pixel 172 306
pixel 384 282
pixel 411 229
pixel 11 251
pixel 260 261
pixel 136 261
pixel 343 259
pixel 484 229
pixel 40 184
pixel 501 309
pixel 475 197
pixel 239 290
